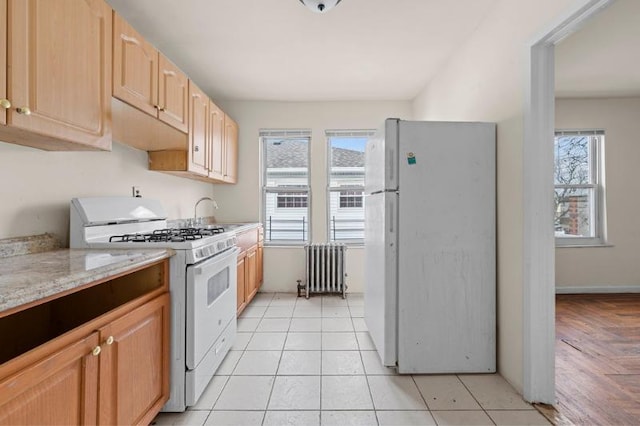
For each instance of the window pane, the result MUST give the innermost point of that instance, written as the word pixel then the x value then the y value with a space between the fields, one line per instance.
pixel 286 189
pixel 572 160
pixel 346 206
pixel 347 161
pixel 287 162
pixel 574 207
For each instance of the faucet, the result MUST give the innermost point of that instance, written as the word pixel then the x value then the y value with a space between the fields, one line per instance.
pixel 195 209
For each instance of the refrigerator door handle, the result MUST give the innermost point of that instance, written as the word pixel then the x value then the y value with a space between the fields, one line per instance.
pixel 391 164
pixel 391 217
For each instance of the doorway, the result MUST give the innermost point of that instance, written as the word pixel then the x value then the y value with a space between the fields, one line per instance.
pixel 539 239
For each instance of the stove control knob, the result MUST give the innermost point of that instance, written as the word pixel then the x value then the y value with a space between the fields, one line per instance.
pixel 221 245
pixel 199 253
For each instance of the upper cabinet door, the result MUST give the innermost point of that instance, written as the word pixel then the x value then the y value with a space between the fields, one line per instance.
pixel 216 142
pixel 173 95
pixel 231 150
pixel 60 56
pixel 4 102
pixel 135 68
pixel 198 116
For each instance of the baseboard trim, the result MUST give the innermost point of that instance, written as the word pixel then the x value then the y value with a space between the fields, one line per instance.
pixel 598 289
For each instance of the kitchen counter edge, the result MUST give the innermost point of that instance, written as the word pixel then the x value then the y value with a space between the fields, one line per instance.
pixel 30 278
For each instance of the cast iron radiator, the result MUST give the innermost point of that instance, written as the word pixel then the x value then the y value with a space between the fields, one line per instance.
pixel 326 272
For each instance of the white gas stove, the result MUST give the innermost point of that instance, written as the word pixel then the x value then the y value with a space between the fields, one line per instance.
pixel 202 281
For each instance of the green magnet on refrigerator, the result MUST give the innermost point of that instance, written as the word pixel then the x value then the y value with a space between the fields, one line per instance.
pixel 411 158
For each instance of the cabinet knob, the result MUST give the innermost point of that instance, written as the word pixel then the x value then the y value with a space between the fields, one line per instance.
pixel 23 110
pixel 110 340
pixel 4 103
pixel 96 351
pixel 196 148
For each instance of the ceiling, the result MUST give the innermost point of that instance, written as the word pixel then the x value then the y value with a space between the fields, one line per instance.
pixel 280 50
pixel 602 59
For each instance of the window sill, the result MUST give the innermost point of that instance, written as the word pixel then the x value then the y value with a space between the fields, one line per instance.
pixel 294 245
pixel 584 245
pixel 285 244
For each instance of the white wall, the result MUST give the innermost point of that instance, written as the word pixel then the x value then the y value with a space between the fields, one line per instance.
pixel 484 81
pixel 616 265
pixel 37 186
pixel 283 266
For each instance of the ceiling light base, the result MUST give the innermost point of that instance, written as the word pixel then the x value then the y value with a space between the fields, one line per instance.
pixel 320 6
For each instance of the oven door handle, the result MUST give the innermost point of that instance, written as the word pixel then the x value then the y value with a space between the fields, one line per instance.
pixel 197 269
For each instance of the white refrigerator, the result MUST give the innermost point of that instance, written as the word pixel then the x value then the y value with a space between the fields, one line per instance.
pixel 430 246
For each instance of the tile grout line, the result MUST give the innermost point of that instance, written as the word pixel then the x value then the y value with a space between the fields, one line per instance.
pixel 475 399
pixel 273 385
pixel 424 399
pixel 321 357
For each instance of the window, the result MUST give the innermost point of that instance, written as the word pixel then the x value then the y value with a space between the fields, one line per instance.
pixel 579 194
pixel 286 194
pixel 346 184
pixel 292 200
pixel 351 199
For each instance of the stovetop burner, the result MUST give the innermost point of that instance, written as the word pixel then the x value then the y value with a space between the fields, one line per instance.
pixel 168 235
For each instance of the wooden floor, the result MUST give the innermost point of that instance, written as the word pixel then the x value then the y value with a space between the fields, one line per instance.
pixel 598 358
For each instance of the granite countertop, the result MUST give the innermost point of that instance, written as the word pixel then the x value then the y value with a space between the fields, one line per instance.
pixel 31 277
pixel 238 226
pixel 210 222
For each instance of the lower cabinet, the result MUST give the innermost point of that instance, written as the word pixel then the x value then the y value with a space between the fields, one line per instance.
pixel 260 264
pixel 251 283
pixel 250 267
pixel 112 369
pixel 134 364
pixel 241 283
pixel 60 389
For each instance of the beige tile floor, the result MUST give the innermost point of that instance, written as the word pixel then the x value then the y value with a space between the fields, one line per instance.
pixel 312 363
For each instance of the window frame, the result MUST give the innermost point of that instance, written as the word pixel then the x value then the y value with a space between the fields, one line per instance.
pixel 264 136
pixel 596 186
pixel 329 134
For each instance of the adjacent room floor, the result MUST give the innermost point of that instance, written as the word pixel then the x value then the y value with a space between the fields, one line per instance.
pixel 312 362
pixel 598 358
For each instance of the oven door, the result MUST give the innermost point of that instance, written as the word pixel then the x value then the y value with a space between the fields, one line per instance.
pixel 211 303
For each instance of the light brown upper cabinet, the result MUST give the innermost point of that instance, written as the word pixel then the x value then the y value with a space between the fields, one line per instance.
pixel 146 79
pixel 58 93
pixel 4 102
pixel 212 153
pixel 230 150
pixel 198 131
pixel 216 142
pixel 173 94
pixel 223 146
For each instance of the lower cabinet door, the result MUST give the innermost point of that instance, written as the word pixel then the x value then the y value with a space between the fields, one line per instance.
pixel 60 389
pixel 241 277
pixel 251 278
pixel 134 365
pixel 259 264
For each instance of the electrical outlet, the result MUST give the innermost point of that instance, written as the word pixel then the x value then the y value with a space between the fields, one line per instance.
pixel 135 191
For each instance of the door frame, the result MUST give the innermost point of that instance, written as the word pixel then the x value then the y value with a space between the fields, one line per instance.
pixel 538 236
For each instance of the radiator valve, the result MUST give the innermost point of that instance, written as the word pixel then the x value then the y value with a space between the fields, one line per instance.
pixel 300 287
